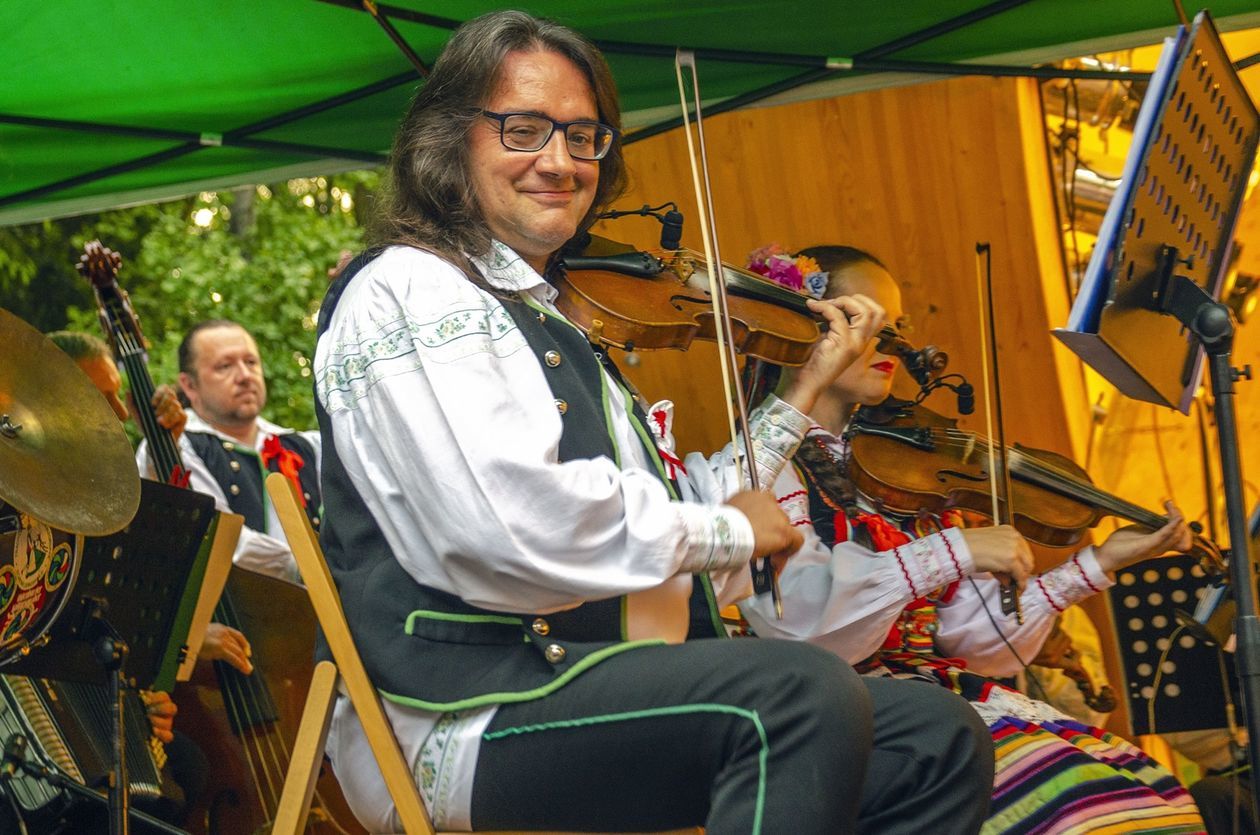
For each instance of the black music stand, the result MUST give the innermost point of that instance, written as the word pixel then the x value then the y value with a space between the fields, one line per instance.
pixel 1147 310
pixel 1169 676
pixel 127 620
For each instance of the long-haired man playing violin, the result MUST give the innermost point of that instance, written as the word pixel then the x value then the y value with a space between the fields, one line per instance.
pixel 496 510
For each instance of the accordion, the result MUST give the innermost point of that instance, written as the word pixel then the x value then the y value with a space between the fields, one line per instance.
pixel 68 726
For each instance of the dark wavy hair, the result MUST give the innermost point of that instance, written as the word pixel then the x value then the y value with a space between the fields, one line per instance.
pixel 430 202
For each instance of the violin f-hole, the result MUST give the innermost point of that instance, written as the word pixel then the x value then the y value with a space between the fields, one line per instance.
pixel 944 476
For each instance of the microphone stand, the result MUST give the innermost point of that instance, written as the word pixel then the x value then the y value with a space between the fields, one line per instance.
pixel 15 761
pixel 110 651
pixel 1211 324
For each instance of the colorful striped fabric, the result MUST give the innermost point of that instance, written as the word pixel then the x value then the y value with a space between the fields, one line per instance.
pixel 1065 777
pixel 1056 776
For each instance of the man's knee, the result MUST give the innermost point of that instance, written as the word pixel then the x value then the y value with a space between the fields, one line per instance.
pixel 802 685
pixel 935 725
pixel 806 673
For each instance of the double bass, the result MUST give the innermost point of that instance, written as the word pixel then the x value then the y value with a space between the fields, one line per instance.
pixel 244 724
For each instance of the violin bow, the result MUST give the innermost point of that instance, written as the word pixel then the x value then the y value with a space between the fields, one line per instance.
pixel 736 407
pixel 999 465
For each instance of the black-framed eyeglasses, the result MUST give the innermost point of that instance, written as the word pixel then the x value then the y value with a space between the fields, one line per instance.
pixel 585 139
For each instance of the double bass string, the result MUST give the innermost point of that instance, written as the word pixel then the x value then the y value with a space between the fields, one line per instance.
pixel 247 700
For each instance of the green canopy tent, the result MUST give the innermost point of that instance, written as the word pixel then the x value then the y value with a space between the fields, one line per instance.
pixel 119 102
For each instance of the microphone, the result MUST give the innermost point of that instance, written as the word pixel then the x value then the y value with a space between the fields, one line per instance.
pixel 966 398
pixel 671 230
pixel 14 754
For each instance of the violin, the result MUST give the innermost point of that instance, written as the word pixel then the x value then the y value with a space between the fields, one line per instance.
pixel 909 459
pixel 639 301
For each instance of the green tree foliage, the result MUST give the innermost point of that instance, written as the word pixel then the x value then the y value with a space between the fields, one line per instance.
pixel 257 255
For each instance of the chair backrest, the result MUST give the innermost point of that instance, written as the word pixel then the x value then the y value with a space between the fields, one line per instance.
pixel 380 735
pixel 367 704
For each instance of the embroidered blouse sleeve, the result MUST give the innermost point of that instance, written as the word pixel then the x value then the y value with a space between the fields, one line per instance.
pixel 446 425
pixel 966 631
pixel 846 598
pixel 777 429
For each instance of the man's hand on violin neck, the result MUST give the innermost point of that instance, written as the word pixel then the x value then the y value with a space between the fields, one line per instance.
pixel 1132 544
pixel 1000 550
pixel 773 534
pixel 852 322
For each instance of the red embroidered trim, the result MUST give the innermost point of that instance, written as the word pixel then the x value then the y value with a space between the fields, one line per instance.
pixel 1076 560
pixel 897 553
pixel 952 558
pixel 792 495
pixel 1049 599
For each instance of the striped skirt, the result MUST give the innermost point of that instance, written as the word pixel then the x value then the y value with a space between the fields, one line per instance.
pixel 1057 776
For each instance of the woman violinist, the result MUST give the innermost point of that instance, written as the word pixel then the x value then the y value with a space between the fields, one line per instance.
pixel 918 598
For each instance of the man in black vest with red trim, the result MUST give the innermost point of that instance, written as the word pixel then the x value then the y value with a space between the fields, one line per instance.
pixel 228 447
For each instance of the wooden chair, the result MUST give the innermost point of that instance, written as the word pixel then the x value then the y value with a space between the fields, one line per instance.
pixel 347 668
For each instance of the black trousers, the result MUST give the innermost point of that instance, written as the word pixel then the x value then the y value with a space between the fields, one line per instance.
pixel 740 736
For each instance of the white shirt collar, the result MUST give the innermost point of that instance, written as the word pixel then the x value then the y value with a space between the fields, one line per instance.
pixel 505 270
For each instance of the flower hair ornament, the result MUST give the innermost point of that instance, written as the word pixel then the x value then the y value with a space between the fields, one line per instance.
pixel 800 273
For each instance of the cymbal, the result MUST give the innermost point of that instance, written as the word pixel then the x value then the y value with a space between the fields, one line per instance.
pixel 64 457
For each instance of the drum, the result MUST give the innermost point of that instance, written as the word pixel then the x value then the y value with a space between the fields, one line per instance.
pixel 39 565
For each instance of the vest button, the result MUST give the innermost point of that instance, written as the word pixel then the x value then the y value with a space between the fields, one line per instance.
pixel 540 627
pixel 234 466
pixel 542 318
pixel 229 446
pixel 234 490
pixel 306 496
pixel 552 358
pixel 554 653
pixel 315 522
pixel 561 406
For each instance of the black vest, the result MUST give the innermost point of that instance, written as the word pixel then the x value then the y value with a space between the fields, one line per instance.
pixel 429 649
pixel 239 470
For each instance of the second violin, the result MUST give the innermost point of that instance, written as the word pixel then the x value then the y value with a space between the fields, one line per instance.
pixel 909 459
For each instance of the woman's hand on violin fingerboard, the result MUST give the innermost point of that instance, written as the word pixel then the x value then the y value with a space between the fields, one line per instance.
pixel 773 534
pixel 852 322
pixel 1000 550
pixel 1132 544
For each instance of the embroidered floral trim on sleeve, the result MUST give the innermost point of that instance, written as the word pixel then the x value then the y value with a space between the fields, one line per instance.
pixel 1073 580
pixel 777 431
pixel 718 537
pixel 352 366
pixel 796 506
pixel 933 562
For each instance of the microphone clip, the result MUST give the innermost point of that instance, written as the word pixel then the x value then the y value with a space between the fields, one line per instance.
pixel 667 213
